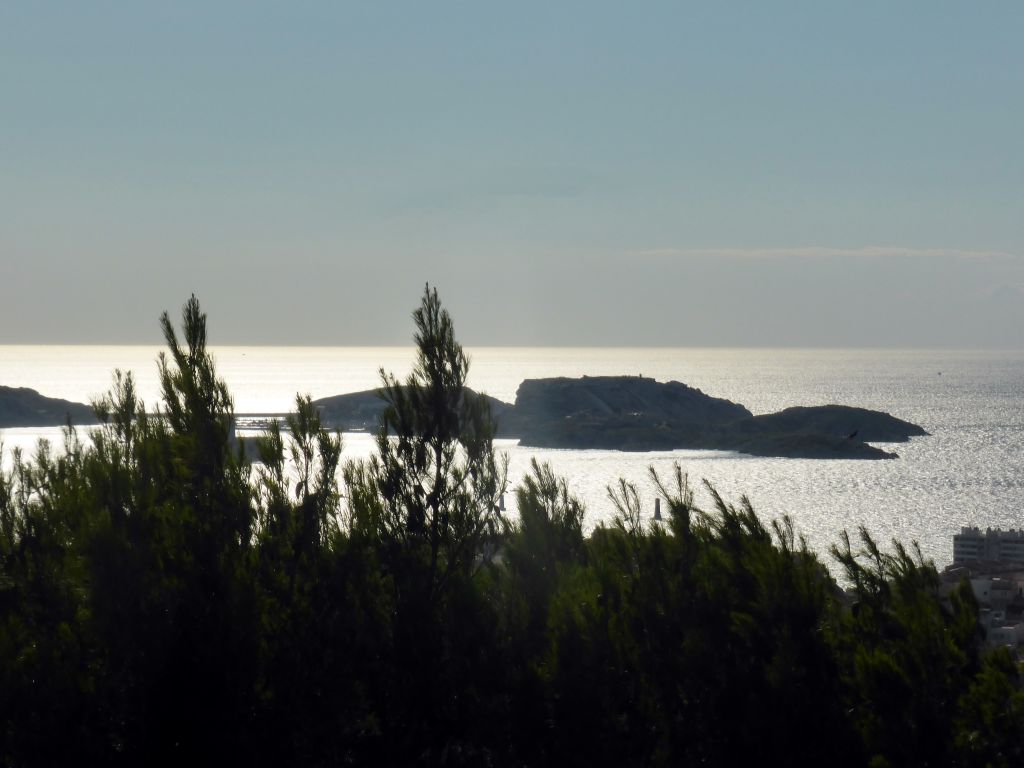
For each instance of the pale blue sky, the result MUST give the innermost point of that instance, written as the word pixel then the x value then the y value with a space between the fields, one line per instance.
pixel 754 173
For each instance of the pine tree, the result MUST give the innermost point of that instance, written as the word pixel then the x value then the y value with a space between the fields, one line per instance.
pixel 433 488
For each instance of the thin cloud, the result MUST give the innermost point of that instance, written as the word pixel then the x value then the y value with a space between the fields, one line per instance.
pixel 819 252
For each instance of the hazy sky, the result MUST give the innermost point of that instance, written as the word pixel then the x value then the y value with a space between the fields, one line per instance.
pixel 781 173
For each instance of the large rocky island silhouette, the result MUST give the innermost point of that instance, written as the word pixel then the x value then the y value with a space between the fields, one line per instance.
pixel 632 413
pixel 626 413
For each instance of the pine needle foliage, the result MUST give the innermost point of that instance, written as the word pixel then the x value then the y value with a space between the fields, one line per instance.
pixel 172 595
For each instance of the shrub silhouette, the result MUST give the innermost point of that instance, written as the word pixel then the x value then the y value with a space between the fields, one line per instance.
pixel 165 601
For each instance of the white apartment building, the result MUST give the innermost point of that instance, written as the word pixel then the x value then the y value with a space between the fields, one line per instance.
pixel 992 544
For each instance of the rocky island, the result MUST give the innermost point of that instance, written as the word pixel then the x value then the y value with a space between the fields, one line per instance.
pixel 633 413
pixel 24 407
pixel 626 413
pixel 361 411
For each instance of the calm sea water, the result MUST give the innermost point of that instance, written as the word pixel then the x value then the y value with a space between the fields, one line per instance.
pixel 969 471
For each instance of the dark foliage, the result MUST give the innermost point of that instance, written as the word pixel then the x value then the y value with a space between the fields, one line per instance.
pixel 163 601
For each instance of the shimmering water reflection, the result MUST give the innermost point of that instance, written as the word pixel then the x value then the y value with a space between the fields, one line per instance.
pixel 970 471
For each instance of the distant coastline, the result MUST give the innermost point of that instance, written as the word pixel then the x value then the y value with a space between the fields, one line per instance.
pixel 628 413
pixel 967 473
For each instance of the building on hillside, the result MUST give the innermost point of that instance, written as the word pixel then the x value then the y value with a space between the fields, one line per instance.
pixel 972 545
pixel 995 592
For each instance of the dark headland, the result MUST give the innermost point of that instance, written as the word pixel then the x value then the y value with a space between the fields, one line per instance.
pixel 24 407
pixel 631 413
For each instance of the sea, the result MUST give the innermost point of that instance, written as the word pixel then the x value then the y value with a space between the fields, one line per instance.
pixel 968 471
